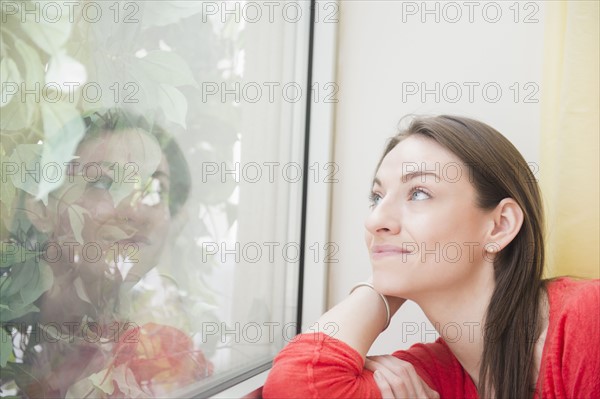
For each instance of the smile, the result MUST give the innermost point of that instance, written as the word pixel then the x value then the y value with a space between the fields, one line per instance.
pixel 382 251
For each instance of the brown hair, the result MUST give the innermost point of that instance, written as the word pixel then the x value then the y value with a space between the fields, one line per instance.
pixel 497 171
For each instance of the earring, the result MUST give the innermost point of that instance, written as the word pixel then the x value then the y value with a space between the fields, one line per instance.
pixel 491 247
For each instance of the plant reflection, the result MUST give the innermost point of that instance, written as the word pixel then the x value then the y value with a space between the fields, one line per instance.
pixel 98 241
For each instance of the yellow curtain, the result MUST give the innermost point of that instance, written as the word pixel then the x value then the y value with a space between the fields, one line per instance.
pixel 569 167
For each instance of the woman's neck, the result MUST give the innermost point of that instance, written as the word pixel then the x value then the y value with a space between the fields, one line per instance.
pixel 458 315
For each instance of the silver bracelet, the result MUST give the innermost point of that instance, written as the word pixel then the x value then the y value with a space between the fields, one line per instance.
pixel 385 302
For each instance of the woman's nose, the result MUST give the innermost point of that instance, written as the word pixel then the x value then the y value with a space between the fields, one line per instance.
pixel 384 219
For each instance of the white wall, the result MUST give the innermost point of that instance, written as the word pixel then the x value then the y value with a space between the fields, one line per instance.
pixel 384 48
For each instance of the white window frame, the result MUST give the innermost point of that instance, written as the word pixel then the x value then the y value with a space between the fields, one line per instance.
pixel 320 133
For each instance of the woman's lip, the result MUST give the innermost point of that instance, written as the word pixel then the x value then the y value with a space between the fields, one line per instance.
pixel 377 249
pixel 382 251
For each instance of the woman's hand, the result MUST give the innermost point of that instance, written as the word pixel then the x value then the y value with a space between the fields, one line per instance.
pixel 397 378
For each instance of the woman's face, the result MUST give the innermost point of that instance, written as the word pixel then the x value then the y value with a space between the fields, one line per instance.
pixel 425 234
pixel 116 201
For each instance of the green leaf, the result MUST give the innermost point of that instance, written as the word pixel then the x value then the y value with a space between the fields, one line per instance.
pixel 166 67
pixel 16 115
pixel 173 103
pixel 8 191
pixel 52 28
pixel 110 233
pixel 103 381
pixel 3 51
pixel 40 283
pixel 12 314
pixel 20 278
pixel 27 157
pixel 14 255
pixel 80 289
pixel 19 112
pixel 9 78
pixel 67 194
pixel 28 283
pixel 77 220
pixel 6 347
pixel 86 388
pixel 63 129
pixel 21 373
pixel 31 63
pixel 160 13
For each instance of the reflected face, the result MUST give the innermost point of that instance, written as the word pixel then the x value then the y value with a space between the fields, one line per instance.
pixel 116 201
pixel 424 233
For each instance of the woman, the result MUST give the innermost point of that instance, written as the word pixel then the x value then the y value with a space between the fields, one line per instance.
pixel 456 226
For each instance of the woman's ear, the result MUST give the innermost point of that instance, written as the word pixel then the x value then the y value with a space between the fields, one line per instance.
pixel 507 220
pixel 37 213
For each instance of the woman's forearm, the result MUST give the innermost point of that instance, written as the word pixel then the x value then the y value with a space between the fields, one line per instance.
pixel 358 319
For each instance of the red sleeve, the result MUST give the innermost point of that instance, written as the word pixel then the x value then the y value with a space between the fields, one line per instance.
pixel 439 368
pixel 319 366
pixel 575 346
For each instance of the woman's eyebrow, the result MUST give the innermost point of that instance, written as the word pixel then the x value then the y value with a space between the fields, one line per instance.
pixel 419 173
pixel 411 175
pixel 160 173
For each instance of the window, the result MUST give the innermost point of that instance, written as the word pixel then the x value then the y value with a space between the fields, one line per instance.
pixel 152 191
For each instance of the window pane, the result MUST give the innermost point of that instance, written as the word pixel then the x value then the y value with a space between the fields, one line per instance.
pixel 151 192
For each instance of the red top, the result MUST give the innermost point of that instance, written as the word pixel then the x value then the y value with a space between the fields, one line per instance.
pixel 320 366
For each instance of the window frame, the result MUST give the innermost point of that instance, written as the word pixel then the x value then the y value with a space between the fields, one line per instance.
pixel 316 198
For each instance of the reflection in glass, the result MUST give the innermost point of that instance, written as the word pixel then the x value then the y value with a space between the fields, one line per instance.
pixel 111 206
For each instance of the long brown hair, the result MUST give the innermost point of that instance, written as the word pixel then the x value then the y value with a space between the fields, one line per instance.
pixel 497 170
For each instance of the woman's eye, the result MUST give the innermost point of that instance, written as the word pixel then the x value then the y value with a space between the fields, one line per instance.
pixel 103 183
pixel 374 199
pixel 418 194
pixel 155 192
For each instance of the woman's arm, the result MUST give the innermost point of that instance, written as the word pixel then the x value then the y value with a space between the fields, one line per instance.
pixel 358 319
pixel 326 363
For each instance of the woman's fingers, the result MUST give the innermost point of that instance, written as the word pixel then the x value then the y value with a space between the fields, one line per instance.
pixel 401 385
pixel 402 369
pixel 383 385
pixel 398 378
